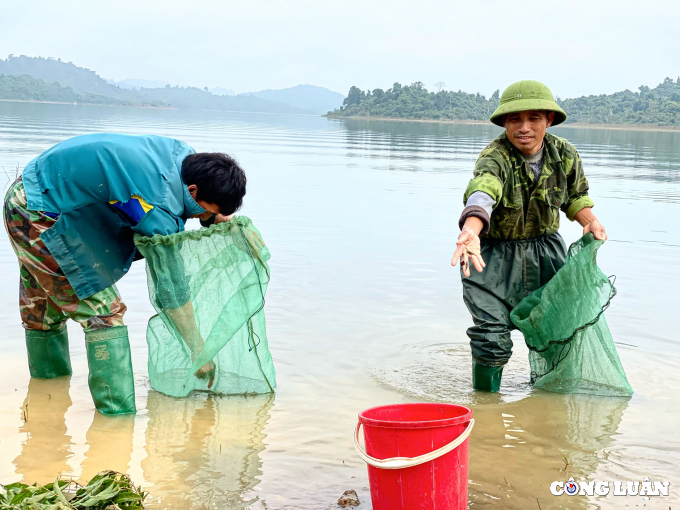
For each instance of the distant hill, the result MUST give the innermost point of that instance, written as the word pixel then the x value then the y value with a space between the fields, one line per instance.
pixel 67 74
pixel 221 91
pixel 89 87
pixel 130 83
pixel 134 83
pixel 22 87
pixel 199 99
pixel 306 97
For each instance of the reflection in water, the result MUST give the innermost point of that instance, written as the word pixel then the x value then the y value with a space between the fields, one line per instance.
pixel 47 446
pixel 413 141
pixel 110 441
pixel 642 156
pixel 528 444
pixel 524 439
pixel 635 155
pixel 591 423
pixel 203 450
pixel 415 130
pixel 442 372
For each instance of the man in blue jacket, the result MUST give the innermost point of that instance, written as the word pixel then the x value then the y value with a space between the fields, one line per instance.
pixel 71 218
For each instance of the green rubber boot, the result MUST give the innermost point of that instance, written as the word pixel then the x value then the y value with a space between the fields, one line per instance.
pixel 486 377
pixel 111 382
pixel 48 355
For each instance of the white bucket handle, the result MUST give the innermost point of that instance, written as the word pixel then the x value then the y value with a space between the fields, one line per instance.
pixel 405 462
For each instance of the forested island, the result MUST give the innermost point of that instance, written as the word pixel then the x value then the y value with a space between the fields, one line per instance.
pixel 659 106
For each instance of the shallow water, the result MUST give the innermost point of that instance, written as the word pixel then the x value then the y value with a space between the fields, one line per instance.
pixel 363 309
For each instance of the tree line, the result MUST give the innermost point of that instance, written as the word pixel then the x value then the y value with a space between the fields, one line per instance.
pixel 657 106
pixel 22 87
pixel 416 102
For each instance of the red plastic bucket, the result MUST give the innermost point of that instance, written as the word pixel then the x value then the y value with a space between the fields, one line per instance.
pixel 417 455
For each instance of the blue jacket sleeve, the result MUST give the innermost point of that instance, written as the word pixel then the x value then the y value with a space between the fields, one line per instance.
pixel 165 262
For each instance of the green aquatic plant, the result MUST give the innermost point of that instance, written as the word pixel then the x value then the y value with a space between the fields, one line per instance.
pixel 108 490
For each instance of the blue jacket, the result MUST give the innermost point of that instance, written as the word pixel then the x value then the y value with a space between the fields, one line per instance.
pixel 77 179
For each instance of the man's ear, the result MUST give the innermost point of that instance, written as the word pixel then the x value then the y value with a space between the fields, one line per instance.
pixel 551 118
pixel 193 190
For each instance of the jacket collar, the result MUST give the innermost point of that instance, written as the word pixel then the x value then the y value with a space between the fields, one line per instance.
pixel 191 207
pixel 551 154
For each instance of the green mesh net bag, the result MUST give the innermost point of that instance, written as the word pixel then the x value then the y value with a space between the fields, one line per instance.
pixel 208 287
pixel 570 347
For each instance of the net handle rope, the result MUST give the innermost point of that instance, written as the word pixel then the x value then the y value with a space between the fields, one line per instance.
pixel 566 343
pixel 251 331
pixel 406 462
pixel 612 294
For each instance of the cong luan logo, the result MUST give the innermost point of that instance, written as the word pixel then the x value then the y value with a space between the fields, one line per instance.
pixel 645 488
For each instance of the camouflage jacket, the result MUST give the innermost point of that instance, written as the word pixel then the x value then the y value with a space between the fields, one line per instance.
pixel 526 208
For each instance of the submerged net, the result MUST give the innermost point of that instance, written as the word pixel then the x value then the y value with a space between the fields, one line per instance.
pixel 570 347
pixel 208 287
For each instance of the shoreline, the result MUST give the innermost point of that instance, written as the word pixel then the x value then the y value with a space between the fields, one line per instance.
pixel 401 119
pixel 576 125
pixel 622 127
pixel 87 104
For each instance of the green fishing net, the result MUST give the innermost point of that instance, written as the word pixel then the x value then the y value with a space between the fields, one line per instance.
pixel 208 287
pixel 570 347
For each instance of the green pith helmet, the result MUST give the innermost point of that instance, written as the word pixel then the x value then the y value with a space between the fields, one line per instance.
pixel 527 95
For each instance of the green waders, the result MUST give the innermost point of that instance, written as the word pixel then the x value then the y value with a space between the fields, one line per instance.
pixel 111 381
pixel 514 269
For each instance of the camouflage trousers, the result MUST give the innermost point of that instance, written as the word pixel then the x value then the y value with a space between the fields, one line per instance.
pixel 46 299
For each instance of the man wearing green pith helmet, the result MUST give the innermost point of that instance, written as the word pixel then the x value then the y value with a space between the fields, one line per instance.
pixel 521 181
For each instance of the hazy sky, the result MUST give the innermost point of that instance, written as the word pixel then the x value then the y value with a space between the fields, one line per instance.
pixel 576 47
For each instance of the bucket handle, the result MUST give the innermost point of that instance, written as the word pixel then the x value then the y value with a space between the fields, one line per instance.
pixel 406 462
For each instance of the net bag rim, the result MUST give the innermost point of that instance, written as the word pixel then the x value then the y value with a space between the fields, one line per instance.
pixel 195 235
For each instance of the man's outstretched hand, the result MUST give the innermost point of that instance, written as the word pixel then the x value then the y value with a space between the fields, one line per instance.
pixel 590 223
pixel 468 250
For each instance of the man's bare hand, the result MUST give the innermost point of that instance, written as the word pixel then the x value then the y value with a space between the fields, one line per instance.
pixel 468 250
pixel 597 229
pixel 207 371
pixel 590 223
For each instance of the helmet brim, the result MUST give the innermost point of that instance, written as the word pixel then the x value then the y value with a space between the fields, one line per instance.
pixel 525 105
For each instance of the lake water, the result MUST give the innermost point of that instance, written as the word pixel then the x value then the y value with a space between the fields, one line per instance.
pixel 363 309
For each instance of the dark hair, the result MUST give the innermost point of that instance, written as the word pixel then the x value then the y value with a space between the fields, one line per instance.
pixel 218 177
